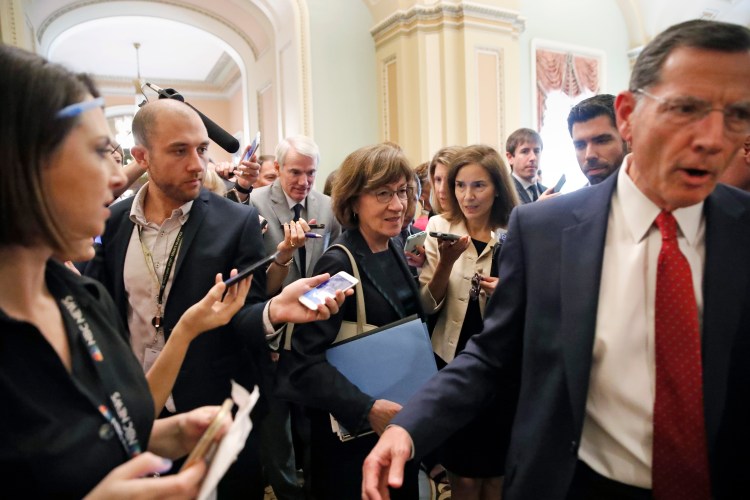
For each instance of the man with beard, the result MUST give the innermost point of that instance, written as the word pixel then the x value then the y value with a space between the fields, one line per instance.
pixel 593 128
pixel 161 251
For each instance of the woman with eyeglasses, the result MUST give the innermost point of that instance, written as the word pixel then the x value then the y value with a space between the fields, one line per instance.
pixel 456 282
pixel 78 416
pixel 370 198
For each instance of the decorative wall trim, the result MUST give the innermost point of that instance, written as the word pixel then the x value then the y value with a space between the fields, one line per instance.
pixel 303 32
pixel 390 127
pixel 85 3
pixel 444 15
pixel 499 95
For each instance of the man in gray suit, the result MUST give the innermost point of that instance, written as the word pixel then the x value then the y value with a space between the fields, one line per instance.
pixel 290 198
pixel 297 164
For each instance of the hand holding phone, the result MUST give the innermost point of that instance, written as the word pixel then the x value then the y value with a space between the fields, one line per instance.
pixel 559 185
pixel 253 147
pixel 207 445
pixel 318 295
pixel 249 269
pixel 445 236
pixel 414 240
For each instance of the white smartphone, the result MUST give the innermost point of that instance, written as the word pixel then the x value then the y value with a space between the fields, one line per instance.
pixel 414 240
pixel 339 281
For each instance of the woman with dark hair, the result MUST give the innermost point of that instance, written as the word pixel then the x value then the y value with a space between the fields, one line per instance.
pixel 78 415
pixel 370 198
pixel 456 282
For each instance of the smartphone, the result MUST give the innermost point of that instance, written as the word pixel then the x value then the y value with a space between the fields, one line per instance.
pixel 253 147
pixel 318 295
pixel 263 224
pixel 445 236
pixel 312 226
pixel 415 240
pixel 559 184
pixel 249 269
pixel 206 445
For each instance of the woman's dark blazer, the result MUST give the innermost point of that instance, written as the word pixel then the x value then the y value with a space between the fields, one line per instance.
pixel 311 380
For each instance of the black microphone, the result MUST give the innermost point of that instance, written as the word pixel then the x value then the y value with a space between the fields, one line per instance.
pixel 215 132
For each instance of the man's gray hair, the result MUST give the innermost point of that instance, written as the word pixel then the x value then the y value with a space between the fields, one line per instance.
pixel 301 144
pixel 698 34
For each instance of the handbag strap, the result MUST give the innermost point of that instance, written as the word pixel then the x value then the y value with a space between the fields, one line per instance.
pixel 361 314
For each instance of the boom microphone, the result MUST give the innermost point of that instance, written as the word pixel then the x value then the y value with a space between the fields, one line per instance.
pixel 215 132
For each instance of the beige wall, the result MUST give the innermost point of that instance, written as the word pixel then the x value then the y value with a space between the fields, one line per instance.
pixel 454 66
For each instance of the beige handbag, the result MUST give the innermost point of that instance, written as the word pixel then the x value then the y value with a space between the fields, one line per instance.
pixel 348 329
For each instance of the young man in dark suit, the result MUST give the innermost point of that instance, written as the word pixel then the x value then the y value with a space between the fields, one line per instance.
pixel 160 253
pixel 523 149
pixel 623 308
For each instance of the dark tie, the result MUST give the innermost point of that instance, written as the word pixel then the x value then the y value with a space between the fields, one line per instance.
pixel 302 253
pixel 680 457
pixel 532 193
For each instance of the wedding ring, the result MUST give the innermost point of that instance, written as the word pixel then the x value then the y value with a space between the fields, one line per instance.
pixel 292 244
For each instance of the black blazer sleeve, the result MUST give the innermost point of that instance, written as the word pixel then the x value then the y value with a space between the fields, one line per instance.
pixel 312 381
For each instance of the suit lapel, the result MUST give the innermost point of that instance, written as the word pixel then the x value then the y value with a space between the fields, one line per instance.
pixel 120 242
pixel 725 281
pixel 279 204
pixel 195 219
pixel 284 214
pixel 580 275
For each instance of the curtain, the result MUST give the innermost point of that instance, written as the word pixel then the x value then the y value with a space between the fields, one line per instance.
pixel 566 72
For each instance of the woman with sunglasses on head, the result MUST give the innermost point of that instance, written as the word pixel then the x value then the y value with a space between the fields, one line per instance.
pixel 456 282
pixel 78 416
pixel 370 198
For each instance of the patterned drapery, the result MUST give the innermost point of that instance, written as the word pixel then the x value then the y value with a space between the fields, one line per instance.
pixel 572 74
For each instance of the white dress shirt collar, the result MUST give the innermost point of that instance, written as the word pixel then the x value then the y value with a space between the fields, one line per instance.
pixel 641 211
pixel 138 213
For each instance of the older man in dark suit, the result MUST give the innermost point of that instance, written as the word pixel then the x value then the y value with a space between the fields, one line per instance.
pixel 623 308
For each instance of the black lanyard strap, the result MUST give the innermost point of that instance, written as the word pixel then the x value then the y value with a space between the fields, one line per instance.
pixel 156 321
pixel 117 415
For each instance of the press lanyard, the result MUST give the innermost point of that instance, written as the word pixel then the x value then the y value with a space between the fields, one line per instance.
pixel 157 320
pixel 119 419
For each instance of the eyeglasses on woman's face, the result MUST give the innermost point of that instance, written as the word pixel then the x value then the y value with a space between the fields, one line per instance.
pixel 385 195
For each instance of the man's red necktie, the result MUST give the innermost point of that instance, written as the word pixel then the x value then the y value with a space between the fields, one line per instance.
pixel 680 456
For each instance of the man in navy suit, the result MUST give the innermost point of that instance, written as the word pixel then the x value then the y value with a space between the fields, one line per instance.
pixel 160 253
pixel 577 323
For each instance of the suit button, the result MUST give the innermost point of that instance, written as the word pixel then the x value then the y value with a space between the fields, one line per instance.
pixel 106 432
pixel 574 447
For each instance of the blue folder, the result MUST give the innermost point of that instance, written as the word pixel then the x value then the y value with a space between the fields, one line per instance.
pixel 391 362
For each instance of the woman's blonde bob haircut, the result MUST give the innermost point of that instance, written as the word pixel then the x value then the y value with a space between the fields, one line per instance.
pixel 367 169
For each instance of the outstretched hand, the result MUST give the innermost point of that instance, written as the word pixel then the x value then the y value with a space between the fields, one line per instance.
pixel 549 193
pixel 384 466
pixel 213 310
pixel 286 307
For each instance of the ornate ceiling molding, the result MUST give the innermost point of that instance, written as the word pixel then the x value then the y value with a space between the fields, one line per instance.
pixel 447 15
pixel 44 25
